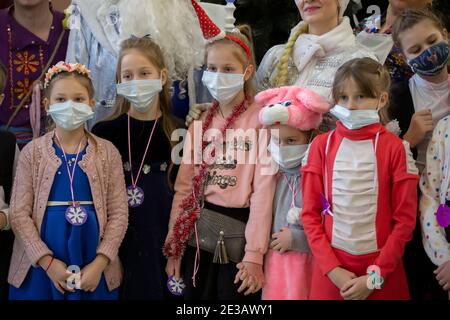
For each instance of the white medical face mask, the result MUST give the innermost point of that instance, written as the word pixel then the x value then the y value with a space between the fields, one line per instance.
pixel 355 119
pixel 140 93
pixel 223 87
pixel 287 157
pixel 70 115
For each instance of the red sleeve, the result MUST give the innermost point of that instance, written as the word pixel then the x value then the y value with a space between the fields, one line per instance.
pixel 404 210
pixel 312 187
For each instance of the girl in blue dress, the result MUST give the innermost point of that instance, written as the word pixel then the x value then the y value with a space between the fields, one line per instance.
pixel 68 249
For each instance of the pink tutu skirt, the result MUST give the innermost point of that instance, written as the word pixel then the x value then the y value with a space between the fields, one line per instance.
pixel 288 275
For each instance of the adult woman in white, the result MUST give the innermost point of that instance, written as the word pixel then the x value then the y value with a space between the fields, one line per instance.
pixel 316 48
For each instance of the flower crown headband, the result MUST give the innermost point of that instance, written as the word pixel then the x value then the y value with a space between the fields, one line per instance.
pixel 65 67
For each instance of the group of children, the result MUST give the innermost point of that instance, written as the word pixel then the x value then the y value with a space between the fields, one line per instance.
pixel 114 209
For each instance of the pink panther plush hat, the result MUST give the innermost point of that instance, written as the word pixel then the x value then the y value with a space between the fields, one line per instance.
pixel 294 106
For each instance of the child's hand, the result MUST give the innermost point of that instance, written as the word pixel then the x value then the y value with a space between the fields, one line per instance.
pixel 356 289
pixel 443 275
pixel 195 111
pixel 242 273
pixel 57 272
pixel 421 123
pixel 173 267
pixel 92 273
pixel 251 275
pixel 282 240
pixel 339 276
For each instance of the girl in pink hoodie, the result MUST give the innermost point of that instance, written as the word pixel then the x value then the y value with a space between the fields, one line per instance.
pixel 224 188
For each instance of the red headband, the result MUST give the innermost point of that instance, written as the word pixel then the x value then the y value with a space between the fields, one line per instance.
pixel 242 44
pixel 211 32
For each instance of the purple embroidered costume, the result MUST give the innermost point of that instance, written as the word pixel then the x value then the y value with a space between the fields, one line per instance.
pixel 24 55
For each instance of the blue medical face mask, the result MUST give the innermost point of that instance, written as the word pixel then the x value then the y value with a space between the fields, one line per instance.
pixel 140 93
pixel 355 119
pixel 70 115
pixel 431 61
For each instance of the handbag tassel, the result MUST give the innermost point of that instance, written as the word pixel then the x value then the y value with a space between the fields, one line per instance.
pixel 220 253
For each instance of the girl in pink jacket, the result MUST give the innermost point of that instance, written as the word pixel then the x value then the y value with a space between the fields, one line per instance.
pixel 225 197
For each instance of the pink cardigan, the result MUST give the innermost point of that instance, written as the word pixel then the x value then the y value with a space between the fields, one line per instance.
pixel 36 170
pixel 240 186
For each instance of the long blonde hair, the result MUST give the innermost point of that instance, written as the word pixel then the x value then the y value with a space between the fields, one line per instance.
pixel 283 65
pixel 151 51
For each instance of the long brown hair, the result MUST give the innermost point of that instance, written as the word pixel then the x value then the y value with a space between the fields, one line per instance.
pixel 371 77
pixel 409 18
pixel 245 36
pixel 151 51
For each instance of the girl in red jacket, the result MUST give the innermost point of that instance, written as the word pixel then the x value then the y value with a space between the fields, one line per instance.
pixel 359 194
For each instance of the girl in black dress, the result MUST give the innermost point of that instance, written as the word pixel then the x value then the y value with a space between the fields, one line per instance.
pixel 141 128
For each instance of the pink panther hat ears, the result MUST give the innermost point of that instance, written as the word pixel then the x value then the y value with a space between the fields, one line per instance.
pixel 294 106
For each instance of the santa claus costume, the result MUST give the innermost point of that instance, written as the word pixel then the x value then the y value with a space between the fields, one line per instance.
pixel 359 207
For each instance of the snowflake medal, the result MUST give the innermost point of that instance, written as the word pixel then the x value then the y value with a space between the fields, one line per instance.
pixel 76 215
pixel 443 215
pixel 176 287
pixel 135 196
